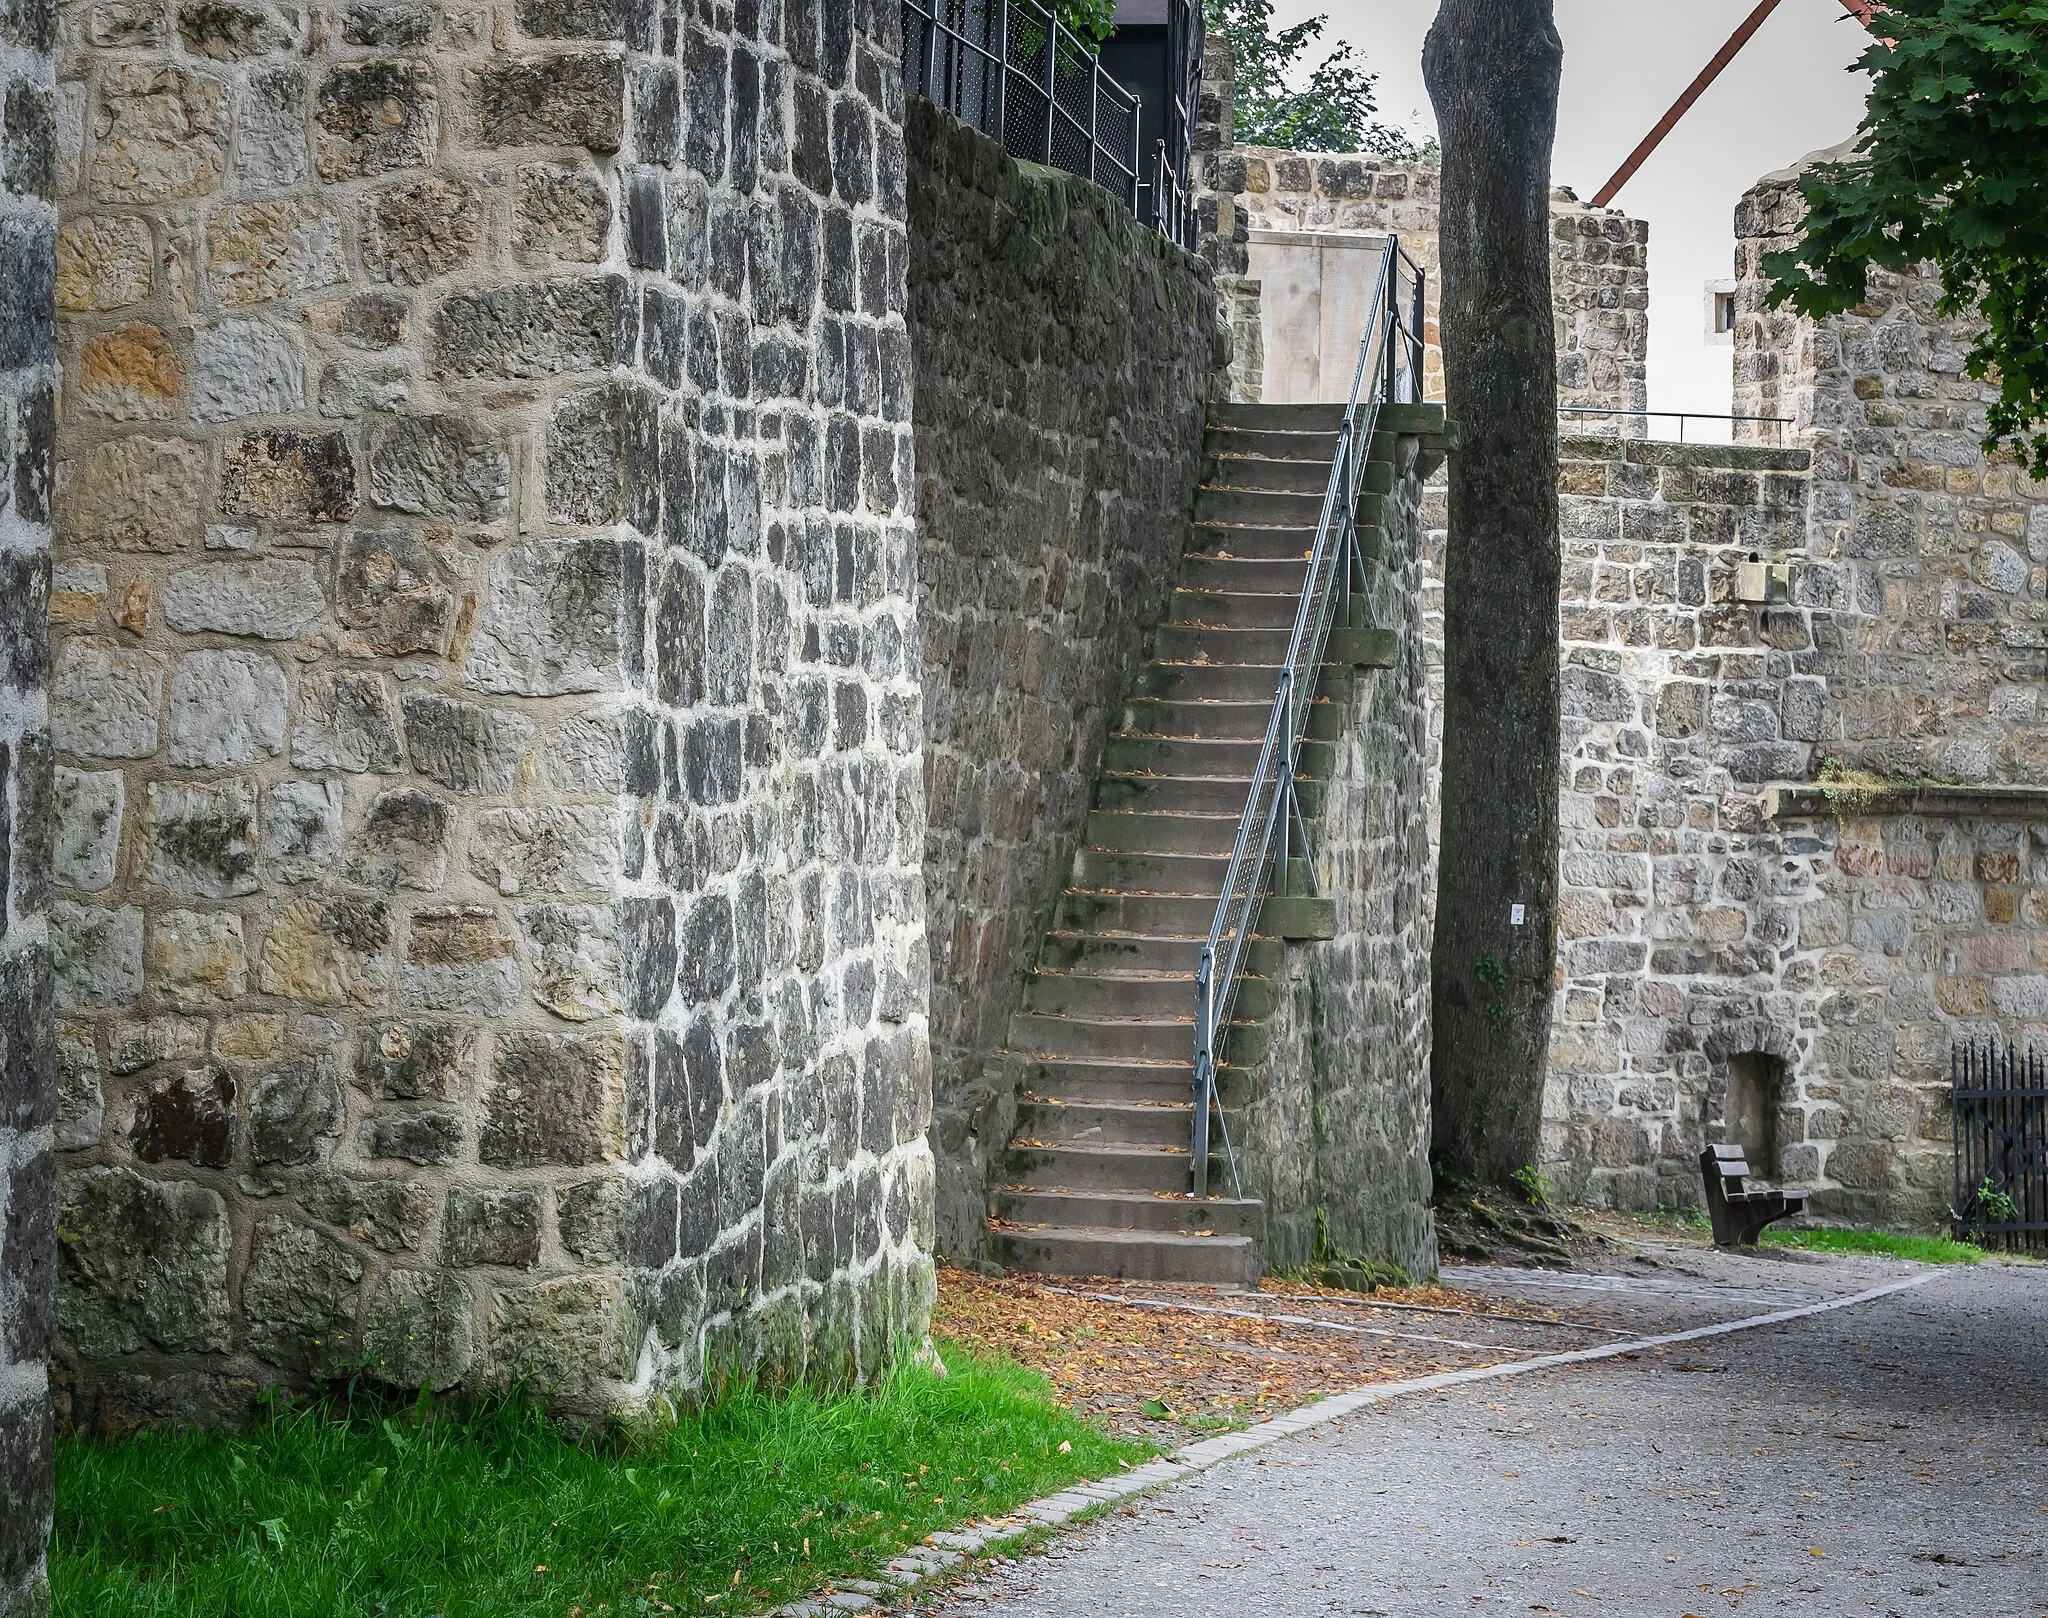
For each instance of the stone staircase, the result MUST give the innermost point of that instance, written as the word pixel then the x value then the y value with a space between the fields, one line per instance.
pixel 1096 1178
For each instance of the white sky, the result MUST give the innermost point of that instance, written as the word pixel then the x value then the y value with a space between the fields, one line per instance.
pixel 1625 62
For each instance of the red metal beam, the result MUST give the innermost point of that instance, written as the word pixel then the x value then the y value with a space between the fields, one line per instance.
pixel 1693 92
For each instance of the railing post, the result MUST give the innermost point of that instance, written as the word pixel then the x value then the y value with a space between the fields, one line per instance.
pixel 1205 1070
pixel 1052 99
pixel 1002 72
pixel 931 60
pixel 1094 102
pixel 1417 348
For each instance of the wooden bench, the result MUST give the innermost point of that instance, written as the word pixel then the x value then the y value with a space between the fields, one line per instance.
pixel 1740 1210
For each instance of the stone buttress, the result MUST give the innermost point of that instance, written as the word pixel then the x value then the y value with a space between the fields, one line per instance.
pixel 489 925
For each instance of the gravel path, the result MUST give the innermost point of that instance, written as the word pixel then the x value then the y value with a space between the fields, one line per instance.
pixel 1888 1458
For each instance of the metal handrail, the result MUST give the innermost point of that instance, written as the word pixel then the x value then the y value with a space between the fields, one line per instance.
pixel 1682 416
pixel 1017 73
pixel 1392 347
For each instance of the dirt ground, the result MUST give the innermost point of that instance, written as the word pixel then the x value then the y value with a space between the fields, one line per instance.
pixel 1167 1361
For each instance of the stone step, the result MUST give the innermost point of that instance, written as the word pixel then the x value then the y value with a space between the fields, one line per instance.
pixel 1164 996
pixel 1163 1039
pixel 1232 682
pixel 1114 954
pixel 1233 609
pixel 1253 472
pixel 1127 1255
pixel 1277 418
pixel 1063 1166
pixel 1273 446
pixel 1150 915
pixel 1161 831
pixel 1128 872
pixel 1263 575
pixel 1107 1123
pixel 1209 795
pixel 1258 508
pixel 1225 721
pixel 1238 539
pixel 1087 1078
pixel 1195 755
pixel 1124 1210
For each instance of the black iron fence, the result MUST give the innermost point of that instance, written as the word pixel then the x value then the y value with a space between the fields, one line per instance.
pixel 1999 1101
pixel 1600 421
pixel 1017 73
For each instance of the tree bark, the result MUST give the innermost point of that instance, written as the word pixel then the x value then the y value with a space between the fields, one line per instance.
pixel 1492 67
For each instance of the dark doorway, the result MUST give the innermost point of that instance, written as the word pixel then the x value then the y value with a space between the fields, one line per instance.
pixel 1756 1089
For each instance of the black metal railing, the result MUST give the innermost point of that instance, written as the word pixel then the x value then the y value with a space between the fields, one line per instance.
pixel 1999 1105
pixel 1602 421
pixel 1017 73
pixel 1390 370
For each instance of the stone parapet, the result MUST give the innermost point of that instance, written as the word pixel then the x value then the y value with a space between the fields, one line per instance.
pixel 489 812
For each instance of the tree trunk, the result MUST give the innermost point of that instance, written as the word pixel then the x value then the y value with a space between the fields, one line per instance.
pixel 1492 67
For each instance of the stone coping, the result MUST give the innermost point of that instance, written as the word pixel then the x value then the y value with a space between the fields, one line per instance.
pixel 1662 452
pixel 1374 240
pixel 1795 799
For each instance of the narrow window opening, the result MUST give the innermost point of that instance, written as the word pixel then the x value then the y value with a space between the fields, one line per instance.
pixel 1724 311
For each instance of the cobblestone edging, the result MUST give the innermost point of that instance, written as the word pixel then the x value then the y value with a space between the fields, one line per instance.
pixel 944 1552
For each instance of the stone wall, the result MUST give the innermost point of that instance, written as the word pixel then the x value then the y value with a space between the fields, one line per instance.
pixel 1599 256
pixel 1846 936
pixel 28 1078
pixel 1221 226
pixel 489 805
pixel 1336 1122
pixel 1062 355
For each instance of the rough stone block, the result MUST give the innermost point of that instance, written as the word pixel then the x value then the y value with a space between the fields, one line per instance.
pixel 420 1333
pixel 345 721
pixel 144 1264
pixel 439 466
pixel 95 955
pixel 87 845
pixel 392 591
pixel 103 262
pixel 188 1115
pixel 418 1061
pixel 245 368
pixel 290 474
pixel 196 959
pixel 465 746
pixel 559 215
pixel 264 250
pixel 419 229
pixel 461 960
pixel 554 1099
pixel 131 373
pixel 331 951
pixel 403 843
pixel 575 954
pixel 567 100
pixel 301 830
pixel 534 329
pixel 162 134
pixel 226 708
pixel 136 494
pixel 299 1299
pixel 562 1334
pixel 271 598
pixel 373 117
pixel 426 1138
pixel 295 1112
pixel 554 849
pixel 553 622
pixel 492 1227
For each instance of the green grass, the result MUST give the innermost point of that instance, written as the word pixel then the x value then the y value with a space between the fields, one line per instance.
pixel 1874 1244
pixel 382 1513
